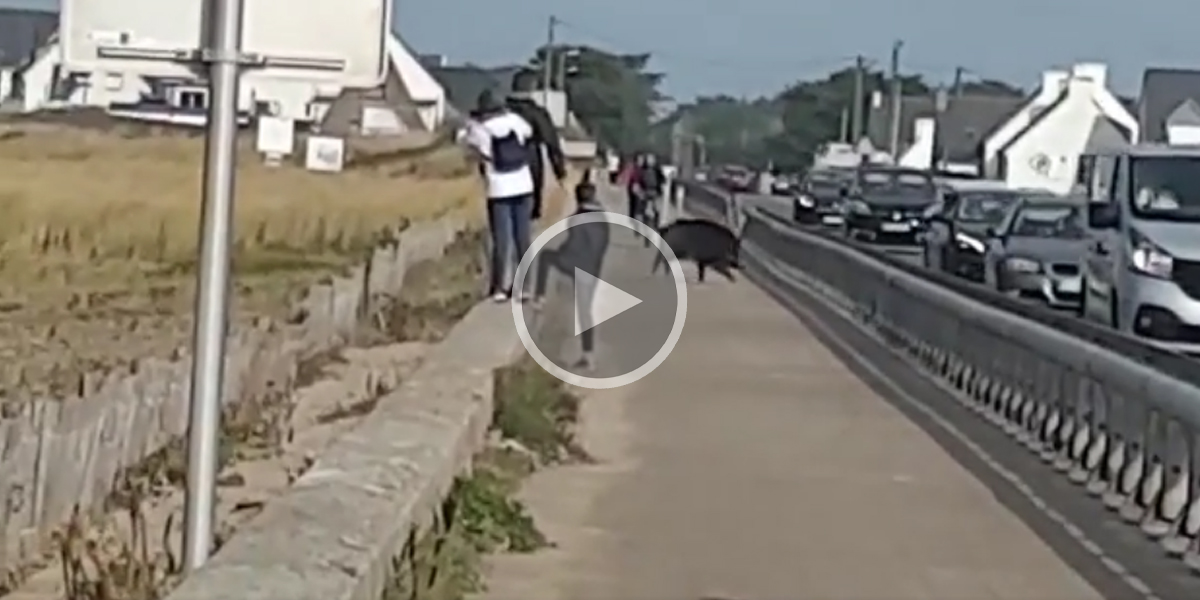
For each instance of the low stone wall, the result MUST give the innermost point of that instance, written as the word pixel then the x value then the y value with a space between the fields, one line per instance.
pixel 337 532
pixel 56 454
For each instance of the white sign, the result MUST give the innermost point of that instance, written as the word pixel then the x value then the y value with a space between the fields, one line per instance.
pixel 276 137
pixel 325 154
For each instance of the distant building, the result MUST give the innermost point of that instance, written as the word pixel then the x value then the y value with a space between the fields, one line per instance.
pixel 1032 142
pixel 1168 106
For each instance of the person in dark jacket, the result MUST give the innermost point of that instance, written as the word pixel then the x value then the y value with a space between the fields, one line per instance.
pixel 583 250
pixel 545 135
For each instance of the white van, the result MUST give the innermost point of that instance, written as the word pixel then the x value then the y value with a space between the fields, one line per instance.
pixel 1141 272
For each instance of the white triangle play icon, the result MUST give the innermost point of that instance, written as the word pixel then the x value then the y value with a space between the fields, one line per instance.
pixel 606 300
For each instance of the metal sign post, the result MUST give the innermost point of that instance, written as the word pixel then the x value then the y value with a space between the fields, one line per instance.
pixel 212 292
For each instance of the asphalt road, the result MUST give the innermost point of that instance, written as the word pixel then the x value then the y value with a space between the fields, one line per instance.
pixel 782 206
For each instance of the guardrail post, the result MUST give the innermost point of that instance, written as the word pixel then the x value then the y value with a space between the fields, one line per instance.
pixel 1134 464
pixel 1164 517
pixel 1088 445
pixel 1149 483
pixel 1187 542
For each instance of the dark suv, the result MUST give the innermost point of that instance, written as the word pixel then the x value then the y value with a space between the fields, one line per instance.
pixel 888 204
pixel 818 199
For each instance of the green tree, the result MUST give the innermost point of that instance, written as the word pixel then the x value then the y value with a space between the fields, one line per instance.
pixel 611 94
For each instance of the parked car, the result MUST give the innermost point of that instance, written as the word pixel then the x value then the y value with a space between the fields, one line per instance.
pixel 888 204
pixel 1142 271
pixel 956 231
pixel 737 179
pixel 1038 250
pixel 818 198
pixel 785 184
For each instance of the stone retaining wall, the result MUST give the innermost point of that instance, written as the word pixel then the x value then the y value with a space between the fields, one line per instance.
pixel 59 453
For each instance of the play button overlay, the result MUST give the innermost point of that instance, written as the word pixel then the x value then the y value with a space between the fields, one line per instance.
pixel 607 300
pixel 604 317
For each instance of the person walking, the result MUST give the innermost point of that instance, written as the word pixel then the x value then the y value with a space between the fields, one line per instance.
pixel 652 182
pixel 501 140
pixel 584 250
pixel 545 135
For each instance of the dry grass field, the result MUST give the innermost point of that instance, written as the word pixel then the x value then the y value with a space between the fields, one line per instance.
pixel 98 234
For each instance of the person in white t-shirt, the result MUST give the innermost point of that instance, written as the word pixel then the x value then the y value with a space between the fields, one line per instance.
pixel 501 140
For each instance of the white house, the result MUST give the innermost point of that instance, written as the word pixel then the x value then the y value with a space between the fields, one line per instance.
pixel 410 99
pixel 1183 124
pixel 1039 146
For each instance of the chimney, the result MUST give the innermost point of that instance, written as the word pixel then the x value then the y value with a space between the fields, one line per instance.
pixel 1053 83
pixel 1097 73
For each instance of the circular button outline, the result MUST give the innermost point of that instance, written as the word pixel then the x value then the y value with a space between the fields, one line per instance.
pixel 601 383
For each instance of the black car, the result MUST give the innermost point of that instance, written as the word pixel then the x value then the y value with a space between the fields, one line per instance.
pixel 888 204
pixel 818 199
pixel 784 185
pixel 956 233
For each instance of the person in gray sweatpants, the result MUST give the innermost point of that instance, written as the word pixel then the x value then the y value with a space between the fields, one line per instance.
pixel 584 249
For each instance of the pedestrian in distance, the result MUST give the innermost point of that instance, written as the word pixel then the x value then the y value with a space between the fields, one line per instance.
pixel 500 139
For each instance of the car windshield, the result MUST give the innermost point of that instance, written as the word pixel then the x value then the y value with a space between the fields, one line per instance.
pixel 893 181
pixel 1166 187
pixel 984 207
pixel 1061 221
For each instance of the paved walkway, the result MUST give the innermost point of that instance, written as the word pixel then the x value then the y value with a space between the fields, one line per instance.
pixel 754 465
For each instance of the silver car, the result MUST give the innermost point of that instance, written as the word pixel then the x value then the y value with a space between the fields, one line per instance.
pixel 1038 251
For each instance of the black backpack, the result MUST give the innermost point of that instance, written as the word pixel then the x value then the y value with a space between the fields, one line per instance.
pixel 509 153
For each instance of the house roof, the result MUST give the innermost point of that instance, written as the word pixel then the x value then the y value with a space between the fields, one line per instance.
pixel 464 83
pixel 1163 90
pixel 1106 135
pixel 23 32
pixel 966 122
pixel 1187 113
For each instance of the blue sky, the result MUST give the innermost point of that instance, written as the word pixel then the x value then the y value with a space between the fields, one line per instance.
pixel 757 46
pixel 751 47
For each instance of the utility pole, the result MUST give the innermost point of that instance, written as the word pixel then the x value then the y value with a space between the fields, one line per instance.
pixel 940 102
pixel 223 52
pixel 561 75
pixel 845 125
pixel 548 60
pixel 856 111
pixel 897 92
pixel 958 81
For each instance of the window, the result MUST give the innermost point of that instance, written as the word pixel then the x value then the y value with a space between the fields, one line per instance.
pixel 1120 181
pixel 191 98
pixel 1102 177
pixel 1166 187
pixel 1083 173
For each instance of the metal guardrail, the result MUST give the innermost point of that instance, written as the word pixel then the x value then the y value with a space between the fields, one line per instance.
pixel 1118 417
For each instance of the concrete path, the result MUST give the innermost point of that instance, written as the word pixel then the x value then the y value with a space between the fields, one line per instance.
pixel 754 465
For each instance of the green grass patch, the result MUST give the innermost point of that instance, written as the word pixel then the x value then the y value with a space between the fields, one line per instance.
pixel 534 418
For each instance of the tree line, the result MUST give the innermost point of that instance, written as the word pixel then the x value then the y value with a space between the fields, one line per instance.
pixel 615 97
